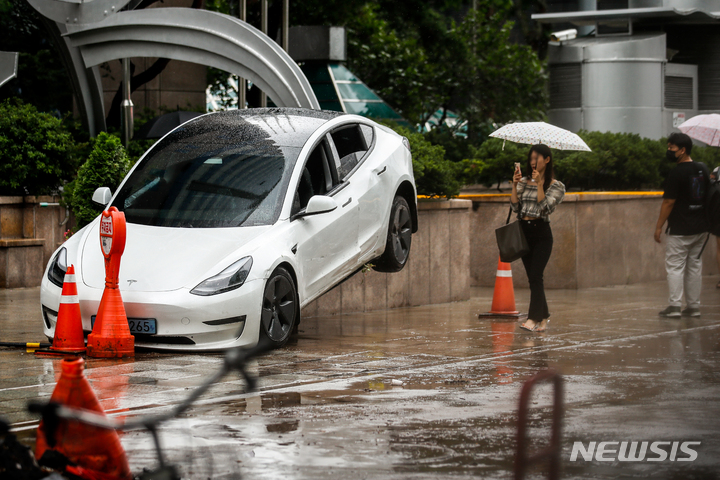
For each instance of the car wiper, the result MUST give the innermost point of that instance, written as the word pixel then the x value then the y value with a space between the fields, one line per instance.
pixel 197 186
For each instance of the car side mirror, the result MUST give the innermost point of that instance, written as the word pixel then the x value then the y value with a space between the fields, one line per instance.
pixel 102 196
pixel 319 204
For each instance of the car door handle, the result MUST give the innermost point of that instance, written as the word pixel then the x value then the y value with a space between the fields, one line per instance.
pixel 382 171
pixel 348 202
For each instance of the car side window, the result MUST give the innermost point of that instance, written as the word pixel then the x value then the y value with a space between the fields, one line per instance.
pixel 315 179
pixel 352 143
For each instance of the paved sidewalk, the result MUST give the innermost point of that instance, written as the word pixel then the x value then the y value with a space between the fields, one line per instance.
pixel 328 406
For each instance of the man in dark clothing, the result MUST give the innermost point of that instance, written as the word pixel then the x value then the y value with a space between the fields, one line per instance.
pixel 682 208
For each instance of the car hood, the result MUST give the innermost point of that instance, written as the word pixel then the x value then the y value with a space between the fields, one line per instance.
pixel 159 259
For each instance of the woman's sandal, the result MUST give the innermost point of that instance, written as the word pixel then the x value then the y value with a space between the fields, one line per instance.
pixel 534 329
pixel 542 326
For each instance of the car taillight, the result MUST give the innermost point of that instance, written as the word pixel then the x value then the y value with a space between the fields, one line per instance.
pixel 406 142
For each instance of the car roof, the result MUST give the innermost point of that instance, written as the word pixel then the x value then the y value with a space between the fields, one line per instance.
pixel 290 127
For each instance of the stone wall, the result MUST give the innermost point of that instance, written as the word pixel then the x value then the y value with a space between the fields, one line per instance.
pixel 437 270
pixel 599 239
pixel 29 234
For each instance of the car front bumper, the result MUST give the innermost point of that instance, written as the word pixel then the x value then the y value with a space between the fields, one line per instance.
pixel 183 321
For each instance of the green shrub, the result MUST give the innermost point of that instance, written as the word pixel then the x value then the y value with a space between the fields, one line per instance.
pixel 710 156
pixel 37 153
pixel 618 161
pixel 106 166
pixel 491 163
pixel 435 176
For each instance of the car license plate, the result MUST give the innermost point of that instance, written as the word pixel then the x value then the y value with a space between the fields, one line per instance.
pixel 147 326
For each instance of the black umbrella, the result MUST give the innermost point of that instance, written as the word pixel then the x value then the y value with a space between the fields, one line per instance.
pixel 159 126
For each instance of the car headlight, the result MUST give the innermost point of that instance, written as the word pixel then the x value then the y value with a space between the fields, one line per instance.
pixel 58 267
pixel 229 279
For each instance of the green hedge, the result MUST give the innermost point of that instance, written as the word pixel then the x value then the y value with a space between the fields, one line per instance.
pixel 435 176
pixel 106 166
pixel 37 153
pixel 618 161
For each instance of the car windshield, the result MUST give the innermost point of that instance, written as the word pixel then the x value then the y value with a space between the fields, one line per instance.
pixel 210 175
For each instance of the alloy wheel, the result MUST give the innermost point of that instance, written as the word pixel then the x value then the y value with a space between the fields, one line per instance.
pixel 278 310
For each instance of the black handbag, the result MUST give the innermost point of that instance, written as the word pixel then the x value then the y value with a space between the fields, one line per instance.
pixel 511 241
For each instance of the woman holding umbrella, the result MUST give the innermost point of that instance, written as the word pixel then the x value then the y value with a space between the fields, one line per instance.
pixel 534 198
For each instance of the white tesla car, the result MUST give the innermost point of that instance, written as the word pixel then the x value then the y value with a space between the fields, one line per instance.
pixel 236 220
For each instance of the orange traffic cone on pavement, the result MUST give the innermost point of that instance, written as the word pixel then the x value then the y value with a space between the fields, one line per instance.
pixel 69 338
pixel 503 304
pixel 111 335
pixel 92 449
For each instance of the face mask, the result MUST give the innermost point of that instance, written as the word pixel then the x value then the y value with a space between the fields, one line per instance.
pixel 670 155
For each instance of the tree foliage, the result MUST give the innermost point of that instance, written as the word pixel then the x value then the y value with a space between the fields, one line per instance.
pixel 37 153
pixel 435 176
pixel 106 166
pixel 421 56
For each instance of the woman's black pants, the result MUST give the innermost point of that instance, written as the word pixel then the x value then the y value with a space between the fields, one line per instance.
pixel 540 239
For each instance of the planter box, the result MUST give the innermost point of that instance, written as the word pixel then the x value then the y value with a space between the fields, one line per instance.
pixel 29 234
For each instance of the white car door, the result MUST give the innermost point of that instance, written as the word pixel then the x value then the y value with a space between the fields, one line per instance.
pixel 327 248
pixel 368 174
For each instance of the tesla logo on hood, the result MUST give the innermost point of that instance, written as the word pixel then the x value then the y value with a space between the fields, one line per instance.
pixel 130 282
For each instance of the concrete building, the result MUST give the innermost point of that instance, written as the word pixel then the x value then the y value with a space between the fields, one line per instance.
pixel 637 66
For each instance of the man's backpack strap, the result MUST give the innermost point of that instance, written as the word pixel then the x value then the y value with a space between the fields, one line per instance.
pixel 704 245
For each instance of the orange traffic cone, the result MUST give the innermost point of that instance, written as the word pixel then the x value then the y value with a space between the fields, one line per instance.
pixel 92 449
pixel 503 304
pixel 68 337
pixel 111 335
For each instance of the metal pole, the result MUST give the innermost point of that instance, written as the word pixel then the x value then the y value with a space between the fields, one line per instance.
pixel 242 83
pixel 264 28
pixel 127 105
pixel 286 25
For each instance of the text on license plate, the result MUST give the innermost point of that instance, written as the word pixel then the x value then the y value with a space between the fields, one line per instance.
pixel 147 326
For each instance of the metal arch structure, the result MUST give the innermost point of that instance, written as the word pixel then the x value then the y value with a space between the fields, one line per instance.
pixel 8 66
pixel 86 82
pixel 197 36
pixel 89 33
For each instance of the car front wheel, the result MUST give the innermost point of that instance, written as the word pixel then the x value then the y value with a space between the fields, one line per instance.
pixel 399 238
pixel 279 309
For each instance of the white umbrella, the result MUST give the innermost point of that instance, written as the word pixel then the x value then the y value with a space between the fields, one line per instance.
pixel 541 132
pixel 705 128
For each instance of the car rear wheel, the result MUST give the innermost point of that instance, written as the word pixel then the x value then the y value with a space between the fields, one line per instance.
pixel 399 238
pixel 279 309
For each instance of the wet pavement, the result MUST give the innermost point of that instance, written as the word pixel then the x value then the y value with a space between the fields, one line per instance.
pixel 421 392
